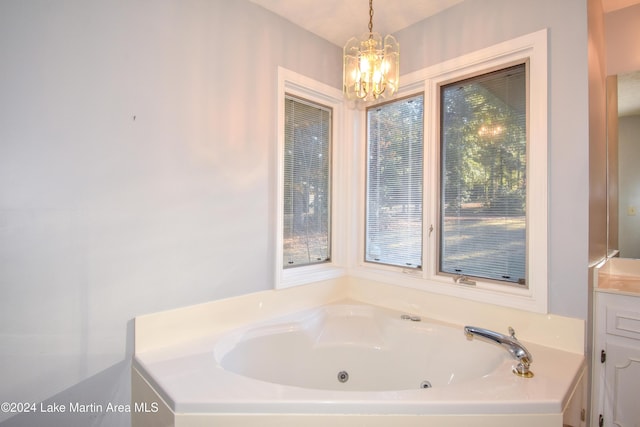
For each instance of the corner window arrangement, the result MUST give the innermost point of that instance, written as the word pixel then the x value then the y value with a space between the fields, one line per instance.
pixel 481 185
pixel 307 185
pixel 443 188
pixel 394 183
pixel 455 177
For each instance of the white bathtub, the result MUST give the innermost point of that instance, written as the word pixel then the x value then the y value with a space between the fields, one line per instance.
pixel 349 347
pixel 298 364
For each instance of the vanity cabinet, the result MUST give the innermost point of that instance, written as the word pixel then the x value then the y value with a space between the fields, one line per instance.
pixel 616 362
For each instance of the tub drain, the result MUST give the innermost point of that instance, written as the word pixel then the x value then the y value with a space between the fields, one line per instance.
pixel 425 384
pixel 343 376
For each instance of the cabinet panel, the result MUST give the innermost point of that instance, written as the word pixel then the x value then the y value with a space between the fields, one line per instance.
pixel 616 376
pixel 622 385
pixel 623 323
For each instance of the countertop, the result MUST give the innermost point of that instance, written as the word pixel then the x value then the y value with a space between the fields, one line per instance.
pixel 619 275
pixel 619 283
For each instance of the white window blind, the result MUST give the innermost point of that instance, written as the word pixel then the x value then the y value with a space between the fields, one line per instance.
pixel 484 176
pixel 307 162
pixel 394 183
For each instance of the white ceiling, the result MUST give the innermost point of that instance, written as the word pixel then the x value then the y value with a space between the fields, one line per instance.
pixel 339 20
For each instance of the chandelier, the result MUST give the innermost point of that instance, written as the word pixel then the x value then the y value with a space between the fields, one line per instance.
pixel 371 67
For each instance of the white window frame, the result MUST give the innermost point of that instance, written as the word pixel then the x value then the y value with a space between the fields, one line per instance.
pixel 532 48
pixel 291 83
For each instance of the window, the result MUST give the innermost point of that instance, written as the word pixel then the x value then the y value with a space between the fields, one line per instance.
pixel 456 198
pixel 482 183
pixel 307 195
pixel 310 205
pixel 483 174
pixel 451 183
pixel 394 183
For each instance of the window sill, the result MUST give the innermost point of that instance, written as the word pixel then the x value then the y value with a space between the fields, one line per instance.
pixel 308 274
pixel 501 295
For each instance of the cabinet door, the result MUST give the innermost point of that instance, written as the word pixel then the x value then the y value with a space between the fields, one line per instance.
pixel 622 385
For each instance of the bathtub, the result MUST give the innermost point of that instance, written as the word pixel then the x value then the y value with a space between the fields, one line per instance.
pixel 348 359
pixel 350 347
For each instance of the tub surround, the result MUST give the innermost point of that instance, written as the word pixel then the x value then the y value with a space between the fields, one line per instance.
pixel 173 365
pixel 172 327
pixel 563 333
pixel 183 325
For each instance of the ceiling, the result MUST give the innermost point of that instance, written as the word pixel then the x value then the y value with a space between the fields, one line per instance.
pixel 339 20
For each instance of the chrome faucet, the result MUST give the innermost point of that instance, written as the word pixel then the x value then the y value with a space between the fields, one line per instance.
pixel 515 347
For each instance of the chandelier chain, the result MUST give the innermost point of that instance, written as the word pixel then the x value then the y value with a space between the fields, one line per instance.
pixel 370 16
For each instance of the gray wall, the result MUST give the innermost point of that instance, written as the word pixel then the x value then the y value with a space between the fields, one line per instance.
pixel 137 143
pixel 137 155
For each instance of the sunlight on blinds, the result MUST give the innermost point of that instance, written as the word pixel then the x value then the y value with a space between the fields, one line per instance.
pixel 394 183
pixel 483 176
pixel 307 163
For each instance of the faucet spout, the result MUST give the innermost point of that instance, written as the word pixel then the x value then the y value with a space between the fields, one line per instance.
pixel 517 350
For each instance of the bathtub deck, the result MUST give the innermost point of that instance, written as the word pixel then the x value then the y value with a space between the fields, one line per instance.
pixel 189 379
pixel 183 380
